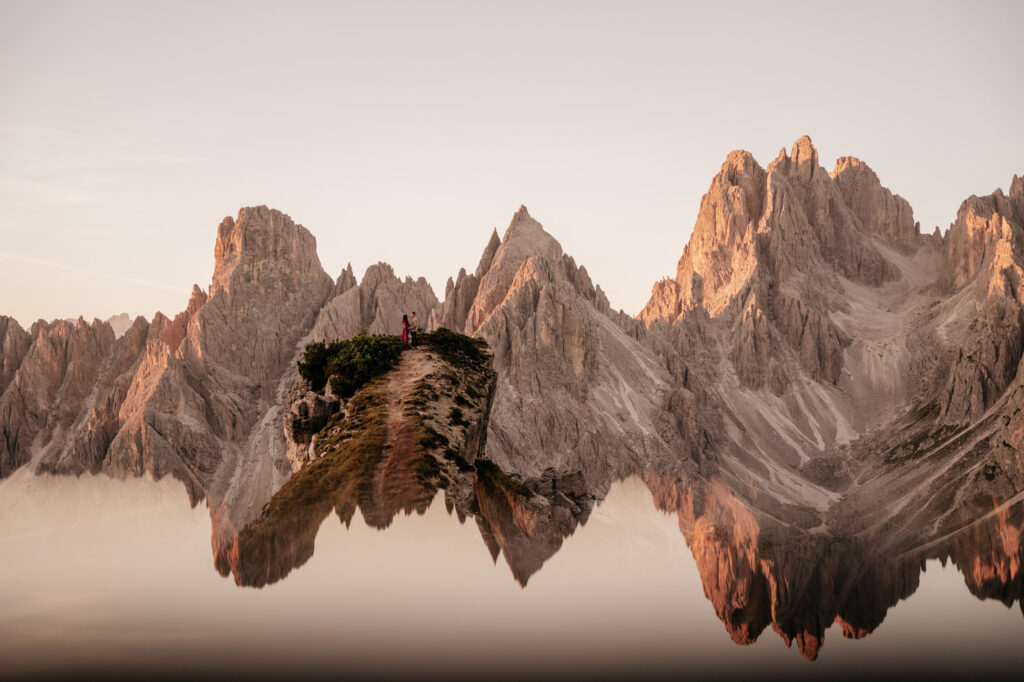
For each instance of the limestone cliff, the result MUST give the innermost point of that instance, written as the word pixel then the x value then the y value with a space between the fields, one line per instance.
pixel 575 392
pixel 825 321
pixel 375 305
pixel 14 344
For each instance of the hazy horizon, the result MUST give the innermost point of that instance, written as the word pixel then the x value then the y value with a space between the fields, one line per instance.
pixel 405 132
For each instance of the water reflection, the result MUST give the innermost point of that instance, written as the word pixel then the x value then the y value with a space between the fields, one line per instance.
pixel 524 521
pixel 758 568
pixel 124 570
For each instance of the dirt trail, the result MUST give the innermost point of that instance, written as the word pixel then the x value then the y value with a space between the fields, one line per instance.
pixel 395 482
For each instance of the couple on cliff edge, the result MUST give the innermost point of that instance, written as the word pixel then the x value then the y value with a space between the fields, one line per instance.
pixel 409 329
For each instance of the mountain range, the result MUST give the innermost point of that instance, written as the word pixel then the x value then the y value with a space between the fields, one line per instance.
pixel 814 355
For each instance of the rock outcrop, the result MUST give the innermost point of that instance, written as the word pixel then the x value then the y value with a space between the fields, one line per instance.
pixel 210 407
pixel 375 305
pixel 14 344
pixel 576 392
pixel 50 388
pixel 402 437
pixel 984 265
pixel 878 211
pixel 830 318
pixel 460 294
pixel 198 397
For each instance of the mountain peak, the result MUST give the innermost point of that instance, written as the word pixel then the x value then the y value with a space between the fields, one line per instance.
pixel 259 235
pixel 739 163
pixel 803 150
pixel 529 236
pixel 487 257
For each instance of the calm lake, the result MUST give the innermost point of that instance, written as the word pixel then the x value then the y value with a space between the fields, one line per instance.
pixel 107 578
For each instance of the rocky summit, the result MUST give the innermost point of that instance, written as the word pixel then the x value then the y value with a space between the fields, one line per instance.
pixel 815 356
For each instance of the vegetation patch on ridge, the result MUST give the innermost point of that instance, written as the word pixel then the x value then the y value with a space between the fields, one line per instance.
pixel 349 363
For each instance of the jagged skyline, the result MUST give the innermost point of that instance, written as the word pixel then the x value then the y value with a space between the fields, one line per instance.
pixel 816 357
pixel 406 133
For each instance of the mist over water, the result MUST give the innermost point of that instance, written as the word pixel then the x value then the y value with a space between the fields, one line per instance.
pixel 103 577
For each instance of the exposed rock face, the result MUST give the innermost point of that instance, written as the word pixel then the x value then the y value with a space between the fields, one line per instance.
pixel 575 391
pixel 199 397
pixel 985 264
pixel 375 305
pixel 763 261
pixel 212 406
pixel 878 210
pixel 308 412
pixel 984 239
pixel 346 280
pixel 50 387
pixel 986 362
pixel 721 255
pixel 172 332
pixel 83 446
pixel 460 294
pixel 756 228
pixel 822 317
pixel 14 344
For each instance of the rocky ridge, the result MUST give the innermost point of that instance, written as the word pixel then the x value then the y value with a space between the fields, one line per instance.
pixel 575 386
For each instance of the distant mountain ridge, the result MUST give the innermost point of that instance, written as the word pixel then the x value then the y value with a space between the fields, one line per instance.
pixel 814 351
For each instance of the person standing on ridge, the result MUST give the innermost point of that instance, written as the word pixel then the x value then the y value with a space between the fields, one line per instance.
pixel 413 329
pixel 405 330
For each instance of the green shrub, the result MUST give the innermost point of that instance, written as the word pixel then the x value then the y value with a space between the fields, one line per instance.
pixel 350 363
pixel 313 365
pixel 457 349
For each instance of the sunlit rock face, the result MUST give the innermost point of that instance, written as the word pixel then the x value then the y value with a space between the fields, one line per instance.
pixel 190 396
pixel 577 391
pixel 14 344
pixel 868 381
pixel 831 341
pixel 203 410
pixel 759 570
pixel 984 265
pixel 51 388
pixel 375 305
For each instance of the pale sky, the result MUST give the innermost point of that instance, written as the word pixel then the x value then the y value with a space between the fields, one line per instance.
pixel 405 132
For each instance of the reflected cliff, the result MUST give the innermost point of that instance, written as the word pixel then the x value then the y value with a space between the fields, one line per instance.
pixel 760 567
pixel 658 574
pixel 760 570
pixel 524 521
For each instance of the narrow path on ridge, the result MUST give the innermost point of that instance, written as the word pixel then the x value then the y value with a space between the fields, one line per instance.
pixel 396 486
